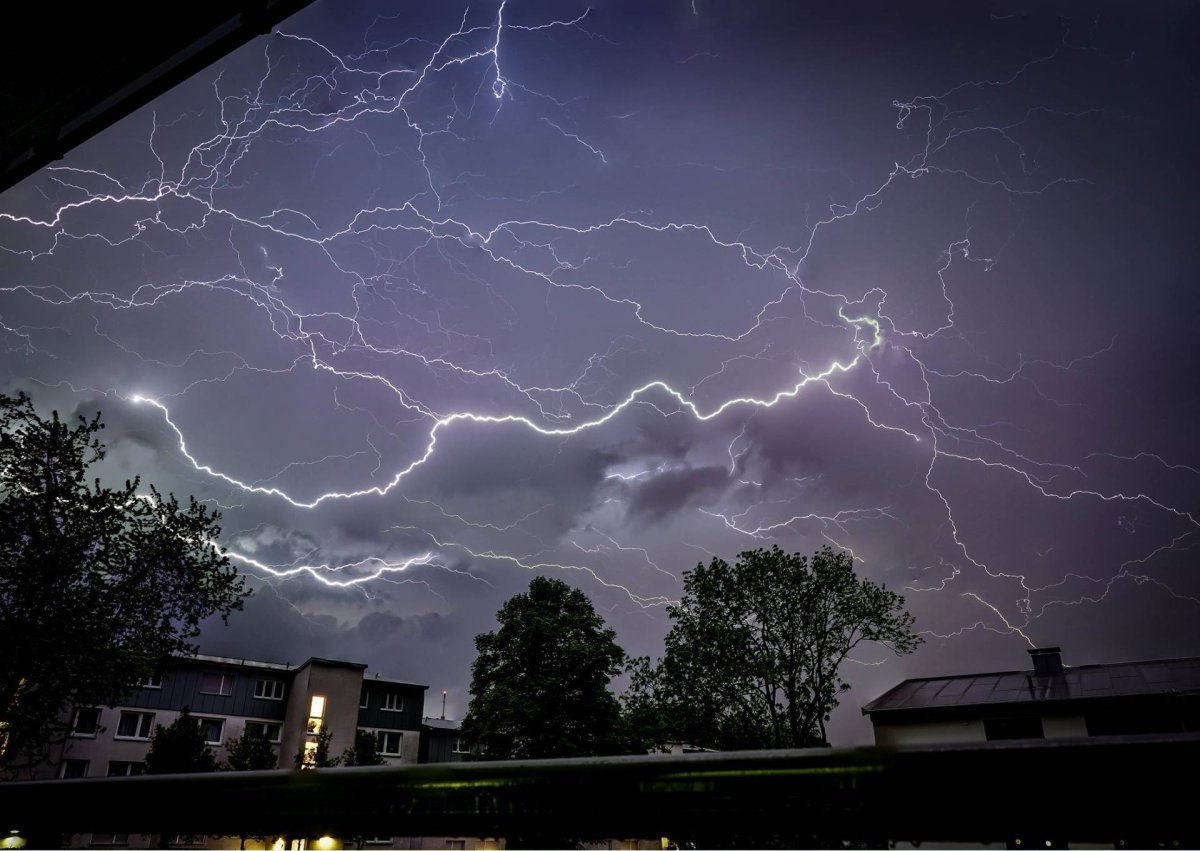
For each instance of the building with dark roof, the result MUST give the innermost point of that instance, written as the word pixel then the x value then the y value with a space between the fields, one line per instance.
pixel 1050 701
pixel 287 704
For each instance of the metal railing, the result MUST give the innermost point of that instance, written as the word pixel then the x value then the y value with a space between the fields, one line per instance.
pixel 1137 791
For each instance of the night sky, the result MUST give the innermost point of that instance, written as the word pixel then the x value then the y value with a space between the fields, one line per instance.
pixel 429 299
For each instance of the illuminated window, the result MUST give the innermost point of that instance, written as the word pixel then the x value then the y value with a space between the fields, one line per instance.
pixel 216 684
pixel 135 725
pixel 393 702
pixel 268 689
pixel 86 722
pixel 73 768
pixel 264 730
pixel 310 755
pixel 116 768
pixel 316 713
pixel 389 743
pixel 213 728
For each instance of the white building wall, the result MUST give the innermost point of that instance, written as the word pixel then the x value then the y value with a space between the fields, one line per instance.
pixel 942 732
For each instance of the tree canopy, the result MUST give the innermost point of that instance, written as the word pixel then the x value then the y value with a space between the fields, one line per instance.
pixel 365 750
pixel 98 585
pixel 251 752
pixel 753 655
pixel 179 748
pixel 540 684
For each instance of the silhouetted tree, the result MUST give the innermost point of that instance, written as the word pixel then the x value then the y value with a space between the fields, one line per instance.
pixel 179 748
pixel 251 752
pixel 365 750
pixel 540 684
pixel 98 585
pixel 753 657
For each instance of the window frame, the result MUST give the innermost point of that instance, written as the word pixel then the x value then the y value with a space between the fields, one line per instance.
pixel 146 719
pixel 154 681
pixel 225 678
pixel 128 765
pixel 392 697
pixel 263 685
pixel 266 725
pixel 381 737
pixel 62 768
pixel 203 720
pixel 75 732
pixel 116 841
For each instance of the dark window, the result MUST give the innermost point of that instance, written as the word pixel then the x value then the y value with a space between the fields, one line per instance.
pixel 268 689
pixel 263 730
pixel 153 681
pixel 87 721
pixel 459 746
pixel 393 702
pixel 116 768
pixel 213 728
pixel 73 768
pixel 216 684
pixel 363 703
pixel 109 839
pixel 389 743
pixel 998 729
pixel 135 725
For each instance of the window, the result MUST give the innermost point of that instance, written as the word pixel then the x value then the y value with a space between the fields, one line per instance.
pixel 116 768
pixel 378 840
pixel 153 681
pixel 216 684
pixel 316 713
pixel 459 746
pixel 456 845
pixel 73 768
pixel 87 722
pixel 213 728
pixel 1013 728
pixel 135 725
pixel 393 702
pixel 389 743
pixel 264 730
pixel 109 839
pixel 268 689
pixel 364 703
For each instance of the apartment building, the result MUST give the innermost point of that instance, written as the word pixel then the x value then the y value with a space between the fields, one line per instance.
pixel 1051 701
pixel 289 705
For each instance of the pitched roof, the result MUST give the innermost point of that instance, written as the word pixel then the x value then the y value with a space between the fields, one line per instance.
pixel 1163 676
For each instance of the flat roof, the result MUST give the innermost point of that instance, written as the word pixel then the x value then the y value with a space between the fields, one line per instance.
pixel 1121 679
pixel 240 663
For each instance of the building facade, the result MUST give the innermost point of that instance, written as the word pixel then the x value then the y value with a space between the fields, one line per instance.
pixel 1050 701
pixel 291 706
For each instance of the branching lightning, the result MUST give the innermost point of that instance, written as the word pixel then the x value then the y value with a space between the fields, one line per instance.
pixel 888 369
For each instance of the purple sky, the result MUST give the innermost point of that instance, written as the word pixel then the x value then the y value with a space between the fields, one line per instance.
pixel 428 299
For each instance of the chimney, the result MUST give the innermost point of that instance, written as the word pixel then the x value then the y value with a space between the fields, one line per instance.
pixel 1047 661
